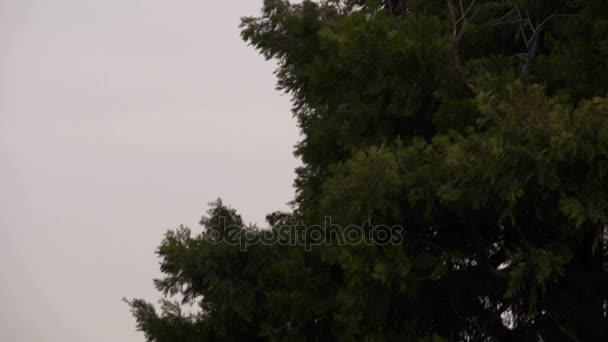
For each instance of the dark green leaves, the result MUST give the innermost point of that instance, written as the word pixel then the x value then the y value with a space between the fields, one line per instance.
pixel 479 127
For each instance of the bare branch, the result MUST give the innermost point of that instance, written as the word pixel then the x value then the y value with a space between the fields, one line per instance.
pixel 530 34
pixel 466 12
pixel 459 24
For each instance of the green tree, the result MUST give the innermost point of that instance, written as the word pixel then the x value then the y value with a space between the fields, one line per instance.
pixel 481 127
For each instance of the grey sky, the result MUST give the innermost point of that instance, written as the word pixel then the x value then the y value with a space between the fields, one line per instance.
pixel 120 119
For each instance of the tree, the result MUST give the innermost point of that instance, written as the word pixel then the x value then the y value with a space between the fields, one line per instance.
pixel 480 127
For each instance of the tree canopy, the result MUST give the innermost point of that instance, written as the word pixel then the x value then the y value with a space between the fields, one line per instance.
pixel 480 127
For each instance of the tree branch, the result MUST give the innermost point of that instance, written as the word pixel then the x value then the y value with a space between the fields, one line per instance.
pixel 459 24
pixel 530 41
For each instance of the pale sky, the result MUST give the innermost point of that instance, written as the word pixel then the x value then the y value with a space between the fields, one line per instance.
pixel 120 119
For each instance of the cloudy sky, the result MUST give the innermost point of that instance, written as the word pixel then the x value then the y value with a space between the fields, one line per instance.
pixel 120 119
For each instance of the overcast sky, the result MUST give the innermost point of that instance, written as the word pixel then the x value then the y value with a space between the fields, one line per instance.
pixel 120 119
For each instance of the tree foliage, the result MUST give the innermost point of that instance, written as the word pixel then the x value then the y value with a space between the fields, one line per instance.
pixel 481 127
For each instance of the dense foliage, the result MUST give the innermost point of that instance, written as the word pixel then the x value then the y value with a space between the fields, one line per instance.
pixel 481 127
